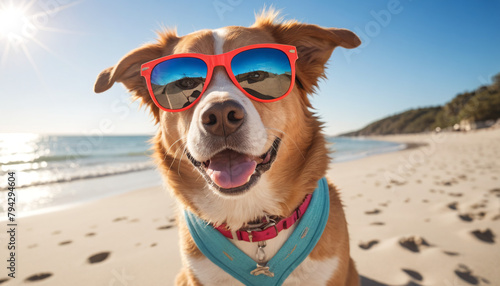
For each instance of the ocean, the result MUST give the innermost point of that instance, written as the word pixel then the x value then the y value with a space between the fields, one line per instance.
pixel 54 172
pixel 353 148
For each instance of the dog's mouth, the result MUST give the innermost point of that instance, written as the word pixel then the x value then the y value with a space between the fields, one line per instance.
pixel 231 172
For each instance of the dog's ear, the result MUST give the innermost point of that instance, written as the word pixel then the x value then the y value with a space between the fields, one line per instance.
pixel 127 70
pixel 314 45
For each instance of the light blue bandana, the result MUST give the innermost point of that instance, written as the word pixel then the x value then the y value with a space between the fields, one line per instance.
pixel 301 242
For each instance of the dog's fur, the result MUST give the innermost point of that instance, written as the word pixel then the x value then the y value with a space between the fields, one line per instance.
pixel 301 160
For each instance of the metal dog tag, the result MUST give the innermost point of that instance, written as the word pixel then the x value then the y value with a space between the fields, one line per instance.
pixel 261 258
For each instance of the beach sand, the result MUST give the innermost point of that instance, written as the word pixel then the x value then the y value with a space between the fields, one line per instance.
pixel 427 215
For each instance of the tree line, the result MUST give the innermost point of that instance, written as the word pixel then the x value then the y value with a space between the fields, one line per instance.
pixel 480 105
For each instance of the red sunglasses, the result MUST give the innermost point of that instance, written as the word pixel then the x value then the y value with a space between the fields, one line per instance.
pixel 264 72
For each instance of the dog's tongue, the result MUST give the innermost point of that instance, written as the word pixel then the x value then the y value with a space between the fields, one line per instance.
pixel 230 169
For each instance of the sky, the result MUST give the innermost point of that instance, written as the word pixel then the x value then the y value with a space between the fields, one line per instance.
pixel 415 53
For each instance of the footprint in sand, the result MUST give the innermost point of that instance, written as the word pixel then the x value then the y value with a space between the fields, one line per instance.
pixel 466 274
pixel 451 253
pixel 56 232
pixel 478 205
pixel 65 242
pixel 480 215
pixel 466 217
pixel 120 218
pixel 495 192
pixel 90 234
pixel 397 183
pixel 413 243
pixel 485 235
pixel 375 211
pixel 413 274
pixel 377 223
pixel 98 257
pixel 385 204
pixel 165 227
pixel 2 280
pixel 38 277
pixel 368 245
pixel 447 183
pixel 453 206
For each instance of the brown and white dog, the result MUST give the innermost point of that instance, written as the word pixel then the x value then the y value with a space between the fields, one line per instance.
pixel 301 160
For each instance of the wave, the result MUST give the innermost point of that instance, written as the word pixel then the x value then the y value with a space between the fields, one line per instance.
pixel 87 173
pixel 71 157
pixel 350 156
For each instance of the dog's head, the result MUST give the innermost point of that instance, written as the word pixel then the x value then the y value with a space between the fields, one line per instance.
pixel 229 152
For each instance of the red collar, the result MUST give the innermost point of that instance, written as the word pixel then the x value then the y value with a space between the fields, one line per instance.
pixel 269 229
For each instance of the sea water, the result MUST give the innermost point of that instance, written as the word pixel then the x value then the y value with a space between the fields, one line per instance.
pixel 59 171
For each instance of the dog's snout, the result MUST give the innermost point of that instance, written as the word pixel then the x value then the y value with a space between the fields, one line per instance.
pixel 223 118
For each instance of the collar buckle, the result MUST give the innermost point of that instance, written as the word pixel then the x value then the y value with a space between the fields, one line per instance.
pixel 270 223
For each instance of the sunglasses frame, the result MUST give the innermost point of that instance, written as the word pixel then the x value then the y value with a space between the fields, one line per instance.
pixel 224 60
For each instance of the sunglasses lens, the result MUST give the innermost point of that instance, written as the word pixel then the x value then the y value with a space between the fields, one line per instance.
pixel 177 83
pixel 264 73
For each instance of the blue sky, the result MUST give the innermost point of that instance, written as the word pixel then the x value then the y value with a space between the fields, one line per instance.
pixel 163 74
pixel 415 53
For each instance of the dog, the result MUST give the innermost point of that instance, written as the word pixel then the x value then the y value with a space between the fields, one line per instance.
pixel 242 151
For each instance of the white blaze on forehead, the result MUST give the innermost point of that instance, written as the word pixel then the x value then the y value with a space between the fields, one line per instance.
pixel 253 132
pixel 219 39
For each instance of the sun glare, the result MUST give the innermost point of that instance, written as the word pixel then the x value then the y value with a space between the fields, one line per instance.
pixel 21 22
pixel 12 20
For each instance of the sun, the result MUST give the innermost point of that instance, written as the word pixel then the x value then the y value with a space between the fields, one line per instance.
pixel 23 23
pixel 12 21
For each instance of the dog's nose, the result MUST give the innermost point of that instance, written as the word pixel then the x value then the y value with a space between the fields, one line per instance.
pixel 223 118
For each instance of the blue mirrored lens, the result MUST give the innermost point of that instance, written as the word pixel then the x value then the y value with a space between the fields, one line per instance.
pixel 264 73
pixel 177 83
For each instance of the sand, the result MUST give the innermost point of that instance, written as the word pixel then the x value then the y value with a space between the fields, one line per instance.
pixel 131 239
pixel 427 215
pixel 412 213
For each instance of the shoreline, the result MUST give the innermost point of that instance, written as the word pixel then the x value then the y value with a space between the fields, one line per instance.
pixel 71 194
pixel 74 193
